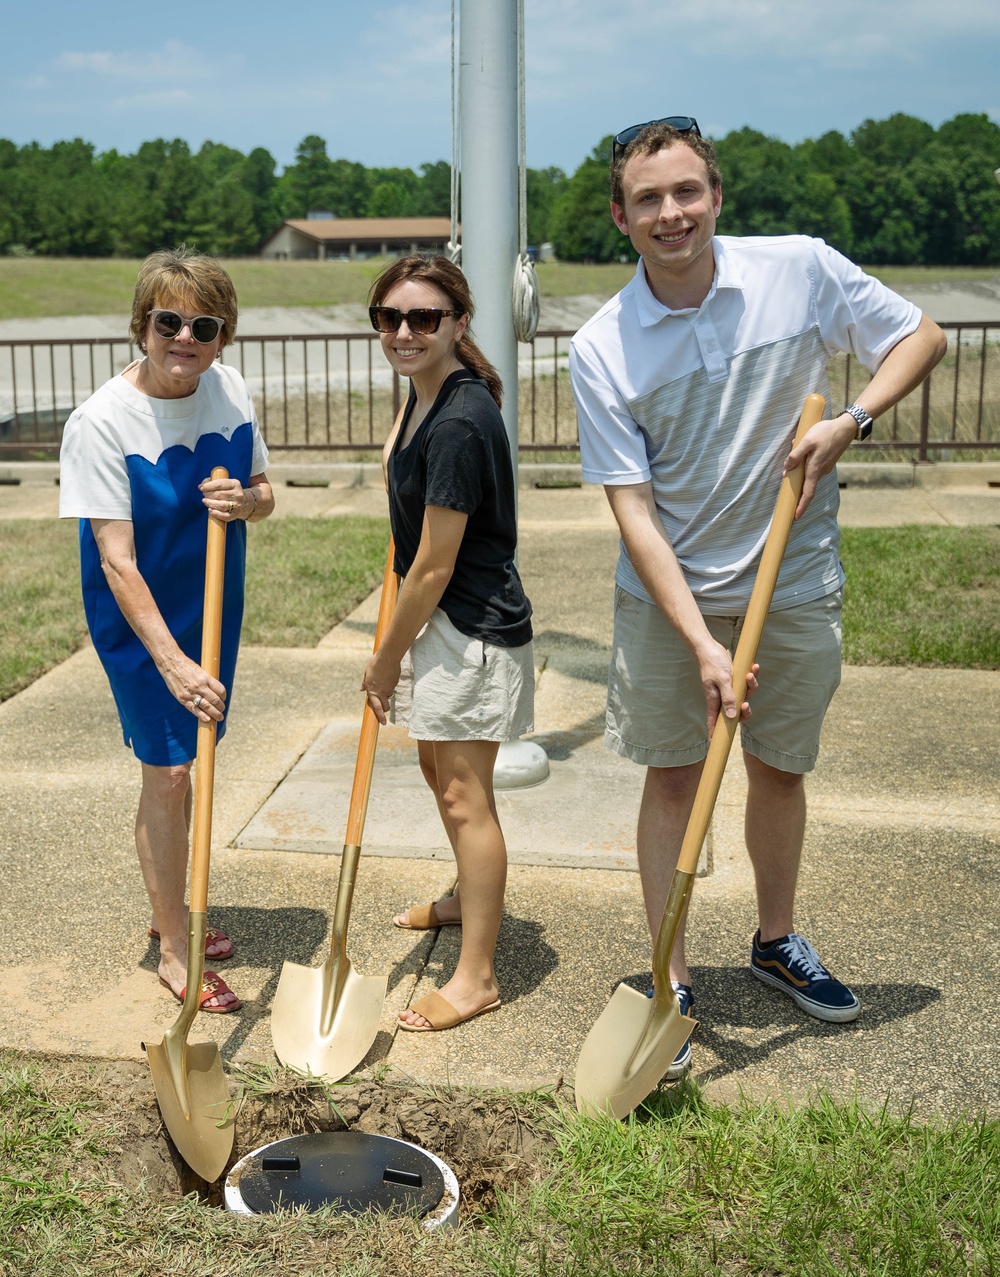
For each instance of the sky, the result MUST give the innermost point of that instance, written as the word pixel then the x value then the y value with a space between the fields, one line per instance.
pixel 373 79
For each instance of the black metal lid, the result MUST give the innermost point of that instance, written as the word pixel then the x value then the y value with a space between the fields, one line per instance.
pixel 346 1169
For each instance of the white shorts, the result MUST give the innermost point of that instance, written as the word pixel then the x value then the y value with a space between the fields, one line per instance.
pixel 452 687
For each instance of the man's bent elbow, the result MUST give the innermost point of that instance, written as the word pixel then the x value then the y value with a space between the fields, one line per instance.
pixel 937 342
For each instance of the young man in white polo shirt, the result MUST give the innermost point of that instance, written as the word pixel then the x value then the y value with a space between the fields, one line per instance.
pixel 688 385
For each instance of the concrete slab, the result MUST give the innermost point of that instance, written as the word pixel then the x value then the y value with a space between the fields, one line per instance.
pixel 542 824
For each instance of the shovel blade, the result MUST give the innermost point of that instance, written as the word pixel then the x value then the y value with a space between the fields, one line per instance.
pixel 193 1095
pixel 631 1046
pixel 314 1037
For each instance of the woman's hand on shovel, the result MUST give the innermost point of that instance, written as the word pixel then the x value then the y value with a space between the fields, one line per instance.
pixel 379 682
pixel 195 688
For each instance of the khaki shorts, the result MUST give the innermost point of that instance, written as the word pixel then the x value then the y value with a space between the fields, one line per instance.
pixel 656 706
pixel 452 687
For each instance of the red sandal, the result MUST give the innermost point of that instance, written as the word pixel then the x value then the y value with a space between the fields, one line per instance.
pixel 213 938
pixel 212 986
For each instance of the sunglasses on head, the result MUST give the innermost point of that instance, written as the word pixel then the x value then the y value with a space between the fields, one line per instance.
pixel 682 123
pixel 387 319
pixel 204 328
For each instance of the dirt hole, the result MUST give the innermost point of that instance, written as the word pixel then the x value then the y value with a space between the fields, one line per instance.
pixel 490 1141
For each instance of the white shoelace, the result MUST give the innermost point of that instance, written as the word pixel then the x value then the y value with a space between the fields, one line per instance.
pixel 798 949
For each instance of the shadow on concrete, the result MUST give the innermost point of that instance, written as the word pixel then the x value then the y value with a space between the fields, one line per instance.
pixel 731 996
pixel 273 936
pixel 277 936
pixel 524 959
pixel 551 644
pixel 561 746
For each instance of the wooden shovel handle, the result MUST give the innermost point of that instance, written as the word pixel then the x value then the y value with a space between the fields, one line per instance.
pixel 365 764
pixel 746 649
pixel 211 643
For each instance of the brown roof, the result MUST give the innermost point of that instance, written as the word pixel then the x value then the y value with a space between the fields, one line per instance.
pixel 380 228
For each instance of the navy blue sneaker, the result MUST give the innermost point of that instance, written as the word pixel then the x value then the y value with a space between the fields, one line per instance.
pixel 682 1060
pixel 792 965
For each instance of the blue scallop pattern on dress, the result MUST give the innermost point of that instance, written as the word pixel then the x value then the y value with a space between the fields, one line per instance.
pixel 170 526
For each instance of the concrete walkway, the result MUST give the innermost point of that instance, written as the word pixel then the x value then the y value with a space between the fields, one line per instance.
pixel 898 888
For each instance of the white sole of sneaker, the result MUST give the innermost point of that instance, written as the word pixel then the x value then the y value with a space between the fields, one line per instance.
pixel 832 1015
pixel 678 1068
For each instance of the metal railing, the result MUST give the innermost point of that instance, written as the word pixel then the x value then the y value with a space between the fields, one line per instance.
pixel 333 393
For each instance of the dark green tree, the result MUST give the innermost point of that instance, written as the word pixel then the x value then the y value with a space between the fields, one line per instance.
pixel 891 142
pixel 308 185
pixel 392 193
pixel 760 178
pixel 544 186
pixel 581 228
pixel 10 201
pixel 432 197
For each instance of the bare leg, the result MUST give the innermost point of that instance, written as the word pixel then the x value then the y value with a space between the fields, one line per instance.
pixel 161 842
pixel 450 908
pixel 463 772
pixel 775 829
pixel 667 799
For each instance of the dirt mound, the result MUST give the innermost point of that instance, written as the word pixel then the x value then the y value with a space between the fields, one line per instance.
pixel 491 1142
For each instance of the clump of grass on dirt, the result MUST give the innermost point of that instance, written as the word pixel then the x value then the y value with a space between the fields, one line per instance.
pixel 683 1186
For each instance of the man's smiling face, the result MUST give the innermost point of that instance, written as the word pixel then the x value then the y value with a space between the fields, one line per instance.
pixel 669 213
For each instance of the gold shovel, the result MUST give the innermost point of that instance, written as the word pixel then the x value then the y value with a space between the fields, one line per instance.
pixel 635 1039
pixel 190 1084
pixel 325 1019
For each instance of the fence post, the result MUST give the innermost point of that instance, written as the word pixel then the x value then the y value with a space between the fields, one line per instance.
pixel 925 419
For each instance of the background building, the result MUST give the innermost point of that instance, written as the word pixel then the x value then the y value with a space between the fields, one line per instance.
pixel 322 236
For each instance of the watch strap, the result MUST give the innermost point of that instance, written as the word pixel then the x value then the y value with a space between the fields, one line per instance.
pixel 864 420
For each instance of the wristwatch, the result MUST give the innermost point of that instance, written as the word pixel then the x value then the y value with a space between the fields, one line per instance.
pixel 863 419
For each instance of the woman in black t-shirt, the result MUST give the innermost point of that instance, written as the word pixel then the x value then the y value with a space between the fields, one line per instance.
pixel 456 657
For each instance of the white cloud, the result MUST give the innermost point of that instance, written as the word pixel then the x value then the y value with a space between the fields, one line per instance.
pixel 632 37
pixel 170 63
pixel 35 83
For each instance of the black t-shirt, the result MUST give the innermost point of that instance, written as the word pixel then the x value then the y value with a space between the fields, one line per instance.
pixel 459 458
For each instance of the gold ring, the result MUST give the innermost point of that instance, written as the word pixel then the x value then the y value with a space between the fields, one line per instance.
pixel 232 506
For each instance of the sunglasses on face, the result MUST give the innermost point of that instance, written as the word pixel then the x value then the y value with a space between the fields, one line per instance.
pixel 204 328
pixel 682 123
pixel 387 319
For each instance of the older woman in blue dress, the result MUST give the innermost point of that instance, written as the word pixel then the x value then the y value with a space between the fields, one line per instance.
pixel 133 469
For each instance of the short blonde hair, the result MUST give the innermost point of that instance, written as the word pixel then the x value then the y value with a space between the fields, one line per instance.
pixel 183 274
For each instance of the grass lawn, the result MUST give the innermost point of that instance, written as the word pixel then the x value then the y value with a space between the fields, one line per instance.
pixel 922 596
pixel 304 575
pixel 915 596
pixel 682 1188
pixel 40 286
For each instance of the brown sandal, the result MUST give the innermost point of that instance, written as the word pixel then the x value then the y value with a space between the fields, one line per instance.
pixel 212 986
pixel 424 918
pixel 441 1014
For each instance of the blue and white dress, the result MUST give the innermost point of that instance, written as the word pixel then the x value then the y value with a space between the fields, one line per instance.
pixel 127 456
